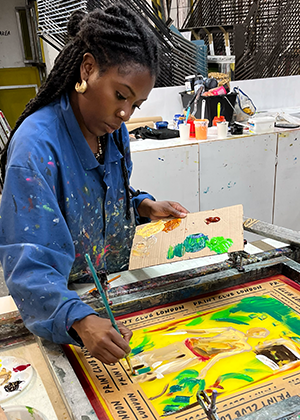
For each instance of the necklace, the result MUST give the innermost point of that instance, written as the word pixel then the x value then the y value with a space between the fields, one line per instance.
pixel 99 155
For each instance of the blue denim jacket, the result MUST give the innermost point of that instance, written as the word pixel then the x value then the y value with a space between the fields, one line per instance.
pixel 58 203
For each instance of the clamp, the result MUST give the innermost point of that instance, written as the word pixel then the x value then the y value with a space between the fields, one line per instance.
pixel 208 404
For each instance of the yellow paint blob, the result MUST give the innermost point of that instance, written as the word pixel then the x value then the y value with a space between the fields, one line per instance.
pixel 151 229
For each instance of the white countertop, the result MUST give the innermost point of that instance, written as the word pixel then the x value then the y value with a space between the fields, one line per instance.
pixel 149 144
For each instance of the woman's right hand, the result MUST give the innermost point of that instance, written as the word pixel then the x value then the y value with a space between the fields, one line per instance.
pixel 102 340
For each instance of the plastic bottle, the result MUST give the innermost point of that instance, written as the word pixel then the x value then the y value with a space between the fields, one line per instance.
pixel 216 91
pixel 189 83
pixel 199 83
pixel 175 120
pixel 192 128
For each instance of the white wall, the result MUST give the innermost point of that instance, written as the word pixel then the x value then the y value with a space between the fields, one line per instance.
pixel 164 102
pixel 50 54
pixel 271 93
pixel 10 45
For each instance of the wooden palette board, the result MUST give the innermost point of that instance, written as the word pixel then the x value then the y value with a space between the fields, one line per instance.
pixel 244 342
pixel 199 234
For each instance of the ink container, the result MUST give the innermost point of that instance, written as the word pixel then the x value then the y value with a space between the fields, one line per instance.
pixel 161 124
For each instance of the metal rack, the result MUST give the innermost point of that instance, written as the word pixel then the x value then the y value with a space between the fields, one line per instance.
pixel 53 17
pixel 179 56
pixel 264 35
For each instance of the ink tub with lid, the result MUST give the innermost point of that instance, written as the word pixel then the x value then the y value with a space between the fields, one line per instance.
pixel 161 124
pixel 259 125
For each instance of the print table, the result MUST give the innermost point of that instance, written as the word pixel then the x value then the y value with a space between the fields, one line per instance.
pixel 244 342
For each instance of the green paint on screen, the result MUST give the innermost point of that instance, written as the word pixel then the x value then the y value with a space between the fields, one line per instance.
pixel 182 399
pixel 232 321
pixel 234 375
pixel 144 370
pixel 195 321
pixel 272 307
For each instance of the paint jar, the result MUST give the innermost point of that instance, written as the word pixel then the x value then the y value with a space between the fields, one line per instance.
pixel 161 124
pixel 192 128
pixel 184 131
pixel 236 129
pixel 222 128
pixel 201 128
pixel 218 119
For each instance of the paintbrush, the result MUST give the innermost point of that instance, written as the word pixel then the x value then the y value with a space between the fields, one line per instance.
pixel 106 304
pixel 187 114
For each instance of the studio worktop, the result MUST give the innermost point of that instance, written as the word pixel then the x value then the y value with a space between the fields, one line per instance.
pixel 259 171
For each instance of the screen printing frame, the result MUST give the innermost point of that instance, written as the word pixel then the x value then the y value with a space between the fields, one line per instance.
pixel 63 373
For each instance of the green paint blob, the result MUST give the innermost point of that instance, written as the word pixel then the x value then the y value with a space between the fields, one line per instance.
pixel 146 344
pixel 195 321
pixel 136 350
pixel 48 208
pixel 195 242
pixel 175 388
pixel 187 379
pixel 181 399
pixel 168 401
pixel 192 243
pixel 232 321
pixel 233 375
pixel 192 373
pixel 144 370
pixel 30 410
pixel 179 250
pixel 201 385
pixel 224 313
pixel 189 383
pixel 170 253
pixel 219 244
pixel 171 408
pixel 253 370
pixel 272 307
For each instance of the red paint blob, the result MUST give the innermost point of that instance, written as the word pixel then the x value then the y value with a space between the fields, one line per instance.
pixel 20 368
pixel 212 220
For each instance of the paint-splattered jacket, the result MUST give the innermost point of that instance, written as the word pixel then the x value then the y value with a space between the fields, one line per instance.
pixel 58 203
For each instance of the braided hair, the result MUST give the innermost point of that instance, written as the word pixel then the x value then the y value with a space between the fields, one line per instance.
pixel 115 36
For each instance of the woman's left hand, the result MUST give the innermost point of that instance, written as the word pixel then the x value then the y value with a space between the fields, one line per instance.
pixel 156 210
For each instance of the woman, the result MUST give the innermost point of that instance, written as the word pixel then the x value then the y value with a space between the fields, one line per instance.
pixel 66 191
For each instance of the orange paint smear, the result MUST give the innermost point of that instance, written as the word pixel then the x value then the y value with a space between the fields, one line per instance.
pixel 171 225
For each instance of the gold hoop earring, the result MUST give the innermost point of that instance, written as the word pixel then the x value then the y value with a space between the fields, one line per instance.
pixel 122 113
pixel 81 88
